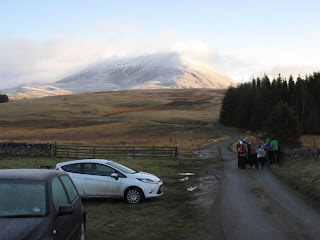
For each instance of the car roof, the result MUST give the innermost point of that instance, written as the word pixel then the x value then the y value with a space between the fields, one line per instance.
pixel 103 161
pixel 28 174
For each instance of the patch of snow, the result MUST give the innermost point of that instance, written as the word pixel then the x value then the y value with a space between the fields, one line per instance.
pixel 162 70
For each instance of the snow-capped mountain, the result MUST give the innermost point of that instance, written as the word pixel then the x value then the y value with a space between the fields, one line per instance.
pixel 163 70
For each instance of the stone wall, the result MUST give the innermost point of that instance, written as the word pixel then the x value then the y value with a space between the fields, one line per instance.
pixel 307 152
pixel 26 149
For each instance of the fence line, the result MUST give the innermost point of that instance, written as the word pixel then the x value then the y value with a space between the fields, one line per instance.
pixel 75 151
pixel 83 151
pixel 310 142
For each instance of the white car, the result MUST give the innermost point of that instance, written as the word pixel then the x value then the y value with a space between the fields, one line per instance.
pixel 104 178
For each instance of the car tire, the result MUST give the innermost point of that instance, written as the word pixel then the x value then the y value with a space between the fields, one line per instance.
pixel 82 232
pixel 133 195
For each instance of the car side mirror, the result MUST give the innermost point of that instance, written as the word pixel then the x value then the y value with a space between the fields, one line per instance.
pixel 115 175
pixel 66 210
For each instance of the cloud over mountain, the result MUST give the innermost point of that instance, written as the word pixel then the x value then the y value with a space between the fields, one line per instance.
pixel 162 70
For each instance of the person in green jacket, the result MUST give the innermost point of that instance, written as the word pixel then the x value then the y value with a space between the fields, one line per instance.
pixel 274 151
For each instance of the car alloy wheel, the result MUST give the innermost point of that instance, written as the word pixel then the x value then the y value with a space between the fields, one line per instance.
pixel 134 195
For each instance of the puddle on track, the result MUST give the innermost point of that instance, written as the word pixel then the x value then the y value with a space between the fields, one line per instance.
pixel 190 189
pixel 186 174
pixel 184 179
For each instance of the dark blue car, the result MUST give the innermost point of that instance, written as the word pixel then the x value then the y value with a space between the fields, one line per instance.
pixel 39 204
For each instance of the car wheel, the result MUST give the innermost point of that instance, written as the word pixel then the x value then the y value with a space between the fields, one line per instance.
pixel 83 232
pixel 133 195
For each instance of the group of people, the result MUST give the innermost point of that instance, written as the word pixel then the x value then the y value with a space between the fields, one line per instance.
pixel 265 151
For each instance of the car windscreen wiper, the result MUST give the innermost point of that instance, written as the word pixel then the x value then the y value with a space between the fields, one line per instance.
pixel 21 216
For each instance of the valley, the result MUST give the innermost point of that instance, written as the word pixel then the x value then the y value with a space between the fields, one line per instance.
pixel 163 117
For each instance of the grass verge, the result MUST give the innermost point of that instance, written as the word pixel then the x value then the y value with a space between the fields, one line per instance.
pixel 301 173
pixel 172 216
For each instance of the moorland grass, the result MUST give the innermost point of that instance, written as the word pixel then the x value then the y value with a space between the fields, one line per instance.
pixel 136 117
pixel 171 216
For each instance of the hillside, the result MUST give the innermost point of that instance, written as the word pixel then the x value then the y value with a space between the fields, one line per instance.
pixel 155 71
pixel 134 117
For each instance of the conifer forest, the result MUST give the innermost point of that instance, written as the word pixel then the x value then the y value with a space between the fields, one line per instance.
pixel 282 108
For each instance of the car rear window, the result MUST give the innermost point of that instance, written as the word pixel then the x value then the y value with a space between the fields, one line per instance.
pixel 21 199
pixel 70 187
pixel 73 168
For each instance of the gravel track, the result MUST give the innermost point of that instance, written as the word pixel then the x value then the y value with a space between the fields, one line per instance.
pixel 252 204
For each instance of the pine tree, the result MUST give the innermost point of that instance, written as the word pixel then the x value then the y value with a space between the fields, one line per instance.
pixel 283 124
pixel 3 98
pixel 292 95
pixel 285 91
pixel 228 106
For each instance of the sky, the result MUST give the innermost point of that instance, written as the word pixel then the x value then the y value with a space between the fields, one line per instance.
pixel 43 41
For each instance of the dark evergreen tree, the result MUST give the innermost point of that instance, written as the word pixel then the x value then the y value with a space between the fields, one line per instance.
pixel 279 82
pixel 250 105
pixel 3 98
pixel 283 124
pixel 285 91
pixel 300 91
pixel 291 93
pixel 258 83
pixel 227 111
pixel 243 106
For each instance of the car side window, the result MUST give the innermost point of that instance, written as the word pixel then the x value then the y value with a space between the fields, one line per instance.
pixel 73 168
pixel 104 170
pixel 59 195
pixel 98 169
pixel 72 192
pixel 88 169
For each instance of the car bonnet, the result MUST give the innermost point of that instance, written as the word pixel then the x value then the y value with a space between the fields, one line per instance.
pixel 146 175
pixel 18 228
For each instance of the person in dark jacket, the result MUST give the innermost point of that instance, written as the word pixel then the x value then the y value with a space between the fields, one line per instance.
pixel 252 157
pixel 238 155
pixel 243 154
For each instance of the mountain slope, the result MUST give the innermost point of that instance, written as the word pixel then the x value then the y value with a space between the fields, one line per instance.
pixel 166 70
pixel 163 70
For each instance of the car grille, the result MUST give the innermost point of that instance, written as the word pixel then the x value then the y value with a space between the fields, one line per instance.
pixel 160 189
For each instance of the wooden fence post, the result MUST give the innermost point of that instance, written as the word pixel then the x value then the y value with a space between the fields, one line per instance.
pixel 133 153
pixel 52 150
pixel 176 152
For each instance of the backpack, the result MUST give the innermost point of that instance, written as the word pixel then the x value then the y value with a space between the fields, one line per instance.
pixel 263 152
pixel 253 152
pixel 241 149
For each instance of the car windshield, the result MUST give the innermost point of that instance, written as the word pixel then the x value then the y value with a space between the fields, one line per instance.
pixel 22 199
pixel 121 168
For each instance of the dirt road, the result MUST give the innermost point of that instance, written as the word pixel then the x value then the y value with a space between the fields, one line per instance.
pixel 255 204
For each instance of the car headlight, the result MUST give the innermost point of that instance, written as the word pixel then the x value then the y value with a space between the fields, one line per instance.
pixel 147 180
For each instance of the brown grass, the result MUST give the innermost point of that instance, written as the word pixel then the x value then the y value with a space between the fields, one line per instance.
pixel 135 117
